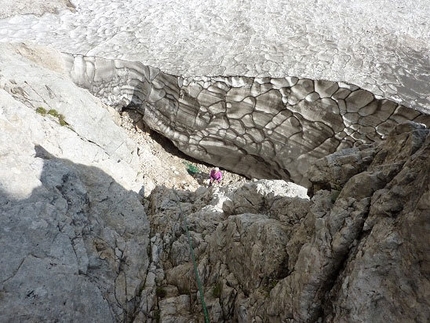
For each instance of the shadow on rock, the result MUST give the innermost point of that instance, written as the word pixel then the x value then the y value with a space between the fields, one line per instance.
pixel 75 250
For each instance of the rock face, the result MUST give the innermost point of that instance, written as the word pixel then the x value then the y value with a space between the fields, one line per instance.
pixel 357 251
pixel 259 127
pixel 74 233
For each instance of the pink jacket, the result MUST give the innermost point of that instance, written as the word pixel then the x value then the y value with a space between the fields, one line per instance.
pixel 215 175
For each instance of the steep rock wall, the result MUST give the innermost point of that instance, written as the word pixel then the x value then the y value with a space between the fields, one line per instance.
pixel 73 231
pixel 357 251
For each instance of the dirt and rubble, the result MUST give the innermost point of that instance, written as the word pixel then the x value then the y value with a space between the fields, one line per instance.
pixel 165 164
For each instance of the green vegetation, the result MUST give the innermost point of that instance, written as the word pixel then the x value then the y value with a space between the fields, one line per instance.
pixel 192 169
pixel 217 290
pixel 62 120
pixel 52 112
pixel 269 284
pixel 272 283
pixel 41 110
pixel 184 290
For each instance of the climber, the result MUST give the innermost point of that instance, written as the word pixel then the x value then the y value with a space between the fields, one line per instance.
pixel 215 176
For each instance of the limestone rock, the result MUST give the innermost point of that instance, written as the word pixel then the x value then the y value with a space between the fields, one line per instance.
pixel 246 249
pixel 284 201
pixel 336 169
pixel 390 267
pixel 74 233
pixel 341 236
pixel 253 248
pixel 356 251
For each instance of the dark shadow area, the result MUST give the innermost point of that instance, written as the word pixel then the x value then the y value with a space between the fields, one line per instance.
pixel 164 142
pixel 66 247
pixel 190 163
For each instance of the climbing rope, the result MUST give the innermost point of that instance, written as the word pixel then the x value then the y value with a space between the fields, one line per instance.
pixel 196 272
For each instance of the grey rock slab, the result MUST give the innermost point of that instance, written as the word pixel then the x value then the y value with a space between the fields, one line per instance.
pixel 74 233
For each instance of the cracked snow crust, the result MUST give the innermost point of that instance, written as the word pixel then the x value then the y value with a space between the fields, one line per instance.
pixel 382 46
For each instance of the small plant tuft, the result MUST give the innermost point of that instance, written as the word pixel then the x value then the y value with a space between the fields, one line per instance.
pixel 269 284
pixel 53 113
pixel 62 120
pixel 192 169
pixel 217 290
pixel 273 283
pixel 41 111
